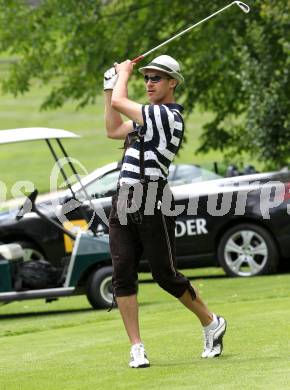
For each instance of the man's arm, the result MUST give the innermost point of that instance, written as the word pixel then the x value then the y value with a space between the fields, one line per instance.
pixel 116 127
pixel 120 101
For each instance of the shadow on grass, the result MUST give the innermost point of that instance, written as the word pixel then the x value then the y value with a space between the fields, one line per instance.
pixel 148 280
pixel 206 277
pixel 226 359
pixel 67 311
pixel 43 313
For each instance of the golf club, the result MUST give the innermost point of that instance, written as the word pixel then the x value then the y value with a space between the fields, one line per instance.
pixel 244 7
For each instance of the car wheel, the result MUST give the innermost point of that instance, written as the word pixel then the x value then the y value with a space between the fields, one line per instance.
pixel 247 250
pixel 99 288
pixel 31 251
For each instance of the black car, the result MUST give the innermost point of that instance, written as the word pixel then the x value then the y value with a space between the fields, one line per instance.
pixel 239 223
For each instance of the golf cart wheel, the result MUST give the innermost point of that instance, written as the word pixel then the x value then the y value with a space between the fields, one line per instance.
pixel 31 251
pixel 99 288
pixel 247 250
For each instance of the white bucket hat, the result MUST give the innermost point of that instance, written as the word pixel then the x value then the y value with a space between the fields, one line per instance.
pixel 167 65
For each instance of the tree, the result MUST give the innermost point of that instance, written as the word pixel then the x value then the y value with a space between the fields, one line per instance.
pixel 236 66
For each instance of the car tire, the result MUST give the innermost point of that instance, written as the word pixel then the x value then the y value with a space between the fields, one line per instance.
pixel 99 288
pixel 31 251
pixel 247 249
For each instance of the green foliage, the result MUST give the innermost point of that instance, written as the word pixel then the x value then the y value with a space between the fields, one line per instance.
pixel 235 65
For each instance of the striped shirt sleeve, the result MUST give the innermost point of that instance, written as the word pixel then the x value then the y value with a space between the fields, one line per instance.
pixel 158 123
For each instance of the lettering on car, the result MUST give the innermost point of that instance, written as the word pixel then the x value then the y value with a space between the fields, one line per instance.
pixel 190 227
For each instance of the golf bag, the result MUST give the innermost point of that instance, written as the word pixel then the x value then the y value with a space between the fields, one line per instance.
pixel 38 274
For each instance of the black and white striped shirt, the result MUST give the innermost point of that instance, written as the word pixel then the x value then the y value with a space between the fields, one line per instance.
pixel 163 131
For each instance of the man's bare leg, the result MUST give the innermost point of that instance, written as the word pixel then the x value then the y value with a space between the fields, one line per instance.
pixel 198 307
pixel 214 327
pixel 128 307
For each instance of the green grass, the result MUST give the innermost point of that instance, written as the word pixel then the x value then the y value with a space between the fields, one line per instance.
pixel 66 345
pixel 32 161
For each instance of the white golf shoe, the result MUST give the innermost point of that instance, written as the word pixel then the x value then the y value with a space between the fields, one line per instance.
pixel 138 357
pixel 213 339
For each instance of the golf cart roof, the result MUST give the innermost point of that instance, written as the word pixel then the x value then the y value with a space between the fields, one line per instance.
pixel 33 134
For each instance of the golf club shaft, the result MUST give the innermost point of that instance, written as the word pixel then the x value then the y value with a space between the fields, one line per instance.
pixel 245 8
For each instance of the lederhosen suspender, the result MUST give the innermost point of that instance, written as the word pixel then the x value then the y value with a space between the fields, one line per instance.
pixel 141 157
pixel 135 133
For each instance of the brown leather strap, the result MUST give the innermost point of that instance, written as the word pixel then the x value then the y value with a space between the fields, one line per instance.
pixel 141 159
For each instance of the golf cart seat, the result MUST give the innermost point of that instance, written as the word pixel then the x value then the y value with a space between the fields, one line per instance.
pixel 11 252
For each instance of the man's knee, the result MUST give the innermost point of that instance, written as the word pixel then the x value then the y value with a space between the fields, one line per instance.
pixel 170 284
pixel 175 284
pixel 124 283
pixel 125 287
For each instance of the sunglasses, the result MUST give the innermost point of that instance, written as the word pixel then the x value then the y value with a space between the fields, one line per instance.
pixel 154 79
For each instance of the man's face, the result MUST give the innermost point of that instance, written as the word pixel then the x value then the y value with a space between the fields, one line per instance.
pixel 161 91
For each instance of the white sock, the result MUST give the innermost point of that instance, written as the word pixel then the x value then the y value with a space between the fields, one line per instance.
pixel 137 345
pixel 213 324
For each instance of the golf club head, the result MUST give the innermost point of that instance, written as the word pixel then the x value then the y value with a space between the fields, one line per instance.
pixel 244 7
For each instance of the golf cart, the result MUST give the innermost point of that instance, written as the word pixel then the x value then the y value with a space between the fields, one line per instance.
pixel 87 271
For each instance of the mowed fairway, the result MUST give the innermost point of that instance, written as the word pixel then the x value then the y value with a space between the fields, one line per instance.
pixel 66 345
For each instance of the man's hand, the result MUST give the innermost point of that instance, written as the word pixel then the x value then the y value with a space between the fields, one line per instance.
pixel 110 79
pixel 126 67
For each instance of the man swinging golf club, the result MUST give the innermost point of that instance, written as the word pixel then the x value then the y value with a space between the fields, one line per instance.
pixel 153 136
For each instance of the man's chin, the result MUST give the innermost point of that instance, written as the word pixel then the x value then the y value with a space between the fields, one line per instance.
pixel 153 100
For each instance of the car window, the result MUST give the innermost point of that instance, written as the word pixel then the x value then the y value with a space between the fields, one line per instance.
pixel 185 174
pixel 106 185
pixel 171 172
pixel 103 186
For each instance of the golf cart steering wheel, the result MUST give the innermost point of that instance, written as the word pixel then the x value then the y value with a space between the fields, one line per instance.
pixel 28 205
